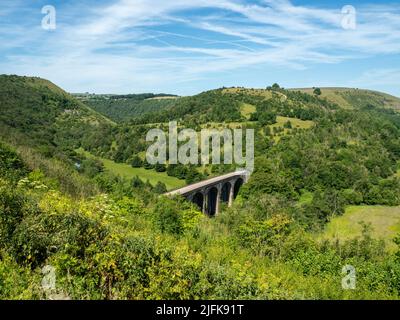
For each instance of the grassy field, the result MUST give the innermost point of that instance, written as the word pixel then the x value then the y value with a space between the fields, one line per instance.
pixel 296 123
pixel 385 222
pixel 126 171
pixel 258 92
pixel 347 97
pixel 163 98
pixel 247 109
pixel 332 94
pixel 267 94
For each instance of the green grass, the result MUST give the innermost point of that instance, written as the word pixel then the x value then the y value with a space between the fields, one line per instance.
pixel 385 222
pixel 163 98
pixel 296 123
pixel 331 94
pixel 247 109
pixel 349 98
pixel 267 94
pixel 126 171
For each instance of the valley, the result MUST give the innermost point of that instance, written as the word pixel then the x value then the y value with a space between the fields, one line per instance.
pixel 77 192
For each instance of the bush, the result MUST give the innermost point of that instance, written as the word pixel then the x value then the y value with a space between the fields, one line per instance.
pixel 160 188
pixel 160 167
pixel 17 282
pixel 11 166
pixel 13 206
pixel 175 216
pixel 136 162
pixel 264 237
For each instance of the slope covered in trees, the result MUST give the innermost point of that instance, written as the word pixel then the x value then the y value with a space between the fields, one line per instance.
pixel 38 113
pixel 210 106
pixel 122 108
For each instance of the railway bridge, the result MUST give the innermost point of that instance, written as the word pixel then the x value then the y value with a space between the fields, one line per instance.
pixel 208 194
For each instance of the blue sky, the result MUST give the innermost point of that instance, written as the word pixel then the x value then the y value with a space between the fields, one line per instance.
pixel 185 47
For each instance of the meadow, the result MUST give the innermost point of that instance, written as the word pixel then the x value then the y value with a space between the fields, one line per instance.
pixel 128 172
pixel 384 222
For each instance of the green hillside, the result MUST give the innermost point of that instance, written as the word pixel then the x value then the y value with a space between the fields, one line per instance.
pixel 125 107
pixel 209 106
pixel 237 104
pixel 357 98
pixel 42 114
pixel 39 115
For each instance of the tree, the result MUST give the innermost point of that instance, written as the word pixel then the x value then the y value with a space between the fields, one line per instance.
pixel 267 118
pixel 167 217
pixel 317 91
pixel 160 188
pixel 92 167
pixel 171 170
pixel 193 175
pixel 136 162
pixel 160 167
pixel 136 182
pixel 288 125
pixel 147 165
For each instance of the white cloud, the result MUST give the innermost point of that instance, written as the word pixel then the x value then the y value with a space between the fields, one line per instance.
pixel 123 46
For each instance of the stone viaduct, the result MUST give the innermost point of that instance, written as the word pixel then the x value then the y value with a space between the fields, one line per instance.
pixel 208 194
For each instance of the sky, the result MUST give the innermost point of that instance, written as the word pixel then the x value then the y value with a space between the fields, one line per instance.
pixel 187 46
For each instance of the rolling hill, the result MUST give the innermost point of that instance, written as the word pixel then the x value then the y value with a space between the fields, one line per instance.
pixel 39 112
pixel 356 98
pixel 154 108
pixel 226 104
pixel 121 108
pixel 48 124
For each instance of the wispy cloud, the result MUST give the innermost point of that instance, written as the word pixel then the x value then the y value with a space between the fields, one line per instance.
pixel 135 45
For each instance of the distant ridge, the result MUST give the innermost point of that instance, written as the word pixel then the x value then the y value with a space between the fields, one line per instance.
pixel 354 97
